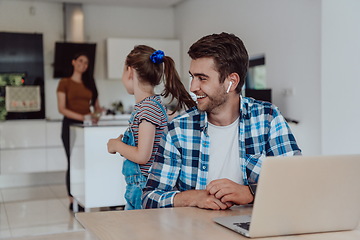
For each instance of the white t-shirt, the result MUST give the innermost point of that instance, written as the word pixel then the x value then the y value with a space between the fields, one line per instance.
pixel 224 160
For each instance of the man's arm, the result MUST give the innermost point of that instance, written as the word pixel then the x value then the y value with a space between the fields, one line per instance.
pixel 281 141
pixel 165 183
pixel 160 187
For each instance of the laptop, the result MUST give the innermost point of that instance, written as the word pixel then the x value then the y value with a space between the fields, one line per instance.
pixel 302 194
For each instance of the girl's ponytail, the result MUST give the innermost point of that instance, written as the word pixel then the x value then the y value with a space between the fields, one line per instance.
pixel 174 86
pixel 151 66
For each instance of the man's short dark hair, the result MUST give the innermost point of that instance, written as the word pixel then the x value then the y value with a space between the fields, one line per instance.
pixel 228 52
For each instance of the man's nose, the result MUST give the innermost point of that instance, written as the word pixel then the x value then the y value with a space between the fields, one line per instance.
pixel 194 85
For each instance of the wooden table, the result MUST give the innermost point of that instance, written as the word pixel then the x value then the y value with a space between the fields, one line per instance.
pixel 180 223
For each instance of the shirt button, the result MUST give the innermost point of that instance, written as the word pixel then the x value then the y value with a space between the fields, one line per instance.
pixel 203 167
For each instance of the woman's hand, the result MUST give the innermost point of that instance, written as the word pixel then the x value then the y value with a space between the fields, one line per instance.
pixel 95 117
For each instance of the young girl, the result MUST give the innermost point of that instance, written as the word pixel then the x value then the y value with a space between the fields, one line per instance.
pixel 144 69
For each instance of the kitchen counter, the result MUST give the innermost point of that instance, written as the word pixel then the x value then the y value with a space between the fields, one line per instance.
pixel 96 175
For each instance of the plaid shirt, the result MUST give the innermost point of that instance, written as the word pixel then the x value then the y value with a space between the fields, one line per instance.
pixel 181 162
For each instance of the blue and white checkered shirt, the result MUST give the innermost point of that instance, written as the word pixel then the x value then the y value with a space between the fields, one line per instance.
pixel 181 162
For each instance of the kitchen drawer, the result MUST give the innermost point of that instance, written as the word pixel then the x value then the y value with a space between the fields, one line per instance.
pixel 56 159
pixel 53 134
pixel 22 134
pixel 23 160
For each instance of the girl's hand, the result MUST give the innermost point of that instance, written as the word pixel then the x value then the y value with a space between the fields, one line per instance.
pixel 113 144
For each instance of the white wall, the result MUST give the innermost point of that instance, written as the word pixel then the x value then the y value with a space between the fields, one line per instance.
pixel 340 70
pixel 311 47
pixel 101 22
pixel 287 32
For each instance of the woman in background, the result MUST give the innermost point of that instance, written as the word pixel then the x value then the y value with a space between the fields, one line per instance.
pixel 144 69
pixel 76 95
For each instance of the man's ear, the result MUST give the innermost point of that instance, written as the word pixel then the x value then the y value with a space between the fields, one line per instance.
pixel 235 79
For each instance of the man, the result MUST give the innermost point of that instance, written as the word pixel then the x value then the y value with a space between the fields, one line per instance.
pixel 210 156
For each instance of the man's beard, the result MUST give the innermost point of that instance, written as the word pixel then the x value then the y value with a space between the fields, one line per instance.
pixel 213 102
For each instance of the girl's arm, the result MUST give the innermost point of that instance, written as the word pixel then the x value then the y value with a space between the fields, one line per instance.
pixel 140 154
pixel 61 98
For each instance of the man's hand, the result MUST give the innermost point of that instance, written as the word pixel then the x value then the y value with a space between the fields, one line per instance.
pixel 228 192
pixel 200 199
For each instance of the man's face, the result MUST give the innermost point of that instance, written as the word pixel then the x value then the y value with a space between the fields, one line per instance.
pixel 205 84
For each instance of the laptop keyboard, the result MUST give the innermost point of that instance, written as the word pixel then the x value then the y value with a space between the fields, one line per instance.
pixel 244 225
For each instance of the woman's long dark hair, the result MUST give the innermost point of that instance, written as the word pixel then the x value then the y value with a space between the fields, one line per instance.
pixel 87 79
pixel 139 59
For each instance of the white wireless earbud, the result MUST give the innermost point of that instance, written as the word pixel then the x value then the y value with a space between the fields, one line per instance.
pixel 228 89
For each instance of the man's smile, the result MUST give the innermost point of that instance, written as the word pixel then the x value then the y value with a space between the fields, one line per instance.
pixel 201 96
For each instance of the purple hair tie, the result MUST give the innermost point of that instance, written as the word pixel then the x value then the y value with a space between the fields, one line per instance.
pixel 157 57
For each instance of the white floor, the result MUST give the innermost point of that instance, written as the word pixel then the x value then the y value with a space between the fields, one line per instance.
pixel 35 212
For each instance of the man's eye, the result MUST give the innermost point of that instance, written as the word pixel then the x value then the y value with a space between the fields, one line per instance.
pixel 202 78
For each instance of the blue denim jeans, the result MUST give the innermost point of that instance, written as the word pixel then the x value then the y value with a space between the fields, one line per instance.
pixel 135 180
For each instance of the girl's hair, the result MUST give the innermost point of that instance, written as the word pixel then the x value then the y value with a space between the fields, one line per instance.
pixel 152 72
pixel 88 79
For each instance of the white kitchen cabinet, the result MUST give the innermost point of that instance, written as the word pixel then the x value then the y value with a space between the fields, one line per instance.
pixel 17 134
pixel 53 134
pixel 29 160
pixel 30 146
pixel 55 159
pixel 22 146
pixel 55 152
pixel 35 146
